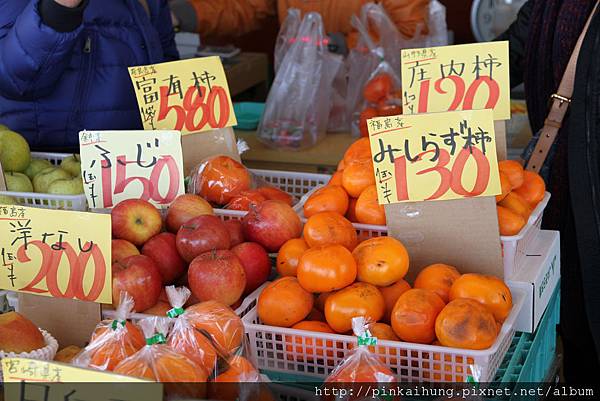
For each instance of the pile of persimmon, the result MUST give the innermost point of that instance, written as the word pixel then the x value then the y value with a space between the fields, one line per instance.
pixel 225 182
pixel 351 192
pixel 381 99
pixel 328 278
pixel 522 191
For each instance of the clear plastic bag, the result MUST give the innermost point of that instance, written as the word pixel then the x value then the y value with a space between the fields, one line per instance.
pixel 113 340
pixel 287 35
pixel 360 366
pixel 225 182
pixel 438 29
pixel 298 105
pixel 338 118
pixel 157 361
pixel 183 338
pixel 377 52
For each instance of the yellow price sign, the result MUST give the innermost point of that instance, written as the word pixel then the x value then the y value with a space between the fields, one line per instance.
pixel 56 253
pixel 188 95
pixel 120 165
pixel 461 77
pixel 440 156
pixel 51 381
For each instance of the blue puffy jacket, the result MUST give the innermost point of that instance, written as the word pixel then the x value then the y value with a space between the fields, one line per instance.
pixel 55 84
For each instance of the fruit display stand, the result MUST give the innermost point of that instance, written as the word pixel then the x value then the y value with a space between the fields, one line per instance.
pixel 48 201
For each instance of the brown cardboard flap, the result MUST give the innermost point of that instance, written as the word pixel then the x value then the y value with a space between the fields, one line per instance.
pixel 500 130
pixel 197 147
pixel 462 233
pixel 70 321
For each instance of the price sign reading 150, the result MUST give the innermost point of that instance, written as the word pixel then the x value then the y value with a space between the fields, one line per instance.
pixel 120 165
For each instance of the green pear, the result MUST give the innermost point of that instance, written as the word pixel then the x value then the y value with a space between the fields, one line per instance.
pixel 72 164
pixel 42 181
pixel 14 152
pixel 72 186
pixel 36 166
pixel 7 200
pixel 18 182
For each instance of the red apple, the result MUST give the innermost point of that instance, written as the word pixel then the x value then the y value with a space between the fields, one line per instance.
pixel 256 262
pixel 121 249
pixel 201 234
pixel 217 275
pixel 136 221
pixel 271 224
pixel 140 277
pixel 162 249
pixel 236 235
pixel 185 208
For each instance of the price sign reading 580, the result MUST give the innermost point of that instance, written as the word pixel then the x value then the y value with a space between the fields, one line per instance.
pixel 437 156
pixel 120 165
pixel 461 77
pixel 55 253
pixel 188 96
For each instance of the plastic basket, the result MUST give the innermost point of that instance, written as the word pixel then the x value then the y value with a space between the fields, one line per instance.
pixel 247 304
pixel 295 184
pixel 276 349
pixel 514 248
pixel 47 201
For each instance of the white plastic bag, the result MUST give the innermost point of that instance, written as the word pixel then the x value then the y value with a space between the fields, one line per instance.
pixel 287 35
pixel 298 105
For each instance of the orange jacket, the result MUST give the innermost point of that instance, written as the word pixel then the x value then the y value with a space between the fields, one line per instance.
pixel 230 18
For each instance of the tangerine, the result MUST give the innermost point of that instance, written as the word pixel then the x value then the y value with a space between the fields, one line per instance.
pixel 289 256
pixel 368 209
pixel 465 323
pixel 357 176
pixel 359 150
pixel 351 213
pixel 359 299
pixel 391 293
pixel 221 178
pixel 307 348
pixel 284 303
pixel 381 261
pixel 533 189
pixel 272 193
pixel 509 222
pixel 505 185
pixel 515 203
pixel 330 198
pixel 245 199
pixel 329 228
pixel 488 290
pixel 219 321
pixel 413 316
pixel 513 171
pixel 326 268
pixel 336 178
pixel 437 278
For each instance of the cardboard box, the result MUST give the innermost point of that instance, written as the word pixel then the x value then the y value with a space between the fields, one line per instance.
pixel 539 276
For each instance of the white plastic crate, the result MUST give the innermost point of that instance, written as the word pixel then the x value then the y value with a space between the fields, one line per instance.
pixel 295 184
pixel 247 304
pixel 47 201
pixel 275 349
pixel 514 247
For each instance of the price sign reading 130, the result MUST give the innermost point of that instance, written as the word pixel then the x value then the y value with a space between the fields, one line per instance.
pixel 120 165
pixel 461 77
pixel 437 156
pixel 55 253
pixel 188 96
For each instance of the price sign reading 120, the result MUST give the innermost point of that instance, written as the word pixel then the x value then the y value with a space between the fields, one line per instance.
pixel 461 77
pixel 188 95
pixel 120 165
pixel 439 156
pixel 55 253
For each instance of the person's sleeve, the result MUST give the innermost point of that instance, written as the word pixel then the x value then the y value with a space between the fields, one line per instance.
pixel 164 26
pixel 517 35
pixel 33 54
pixel 223 18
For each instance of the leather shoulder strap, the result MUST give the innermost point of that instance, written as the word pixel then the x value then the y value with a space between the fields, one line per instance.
pixel 560 104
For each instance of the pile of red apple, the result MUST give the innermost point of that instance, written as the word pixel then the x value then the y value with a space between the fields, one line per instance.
pixel 218 260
